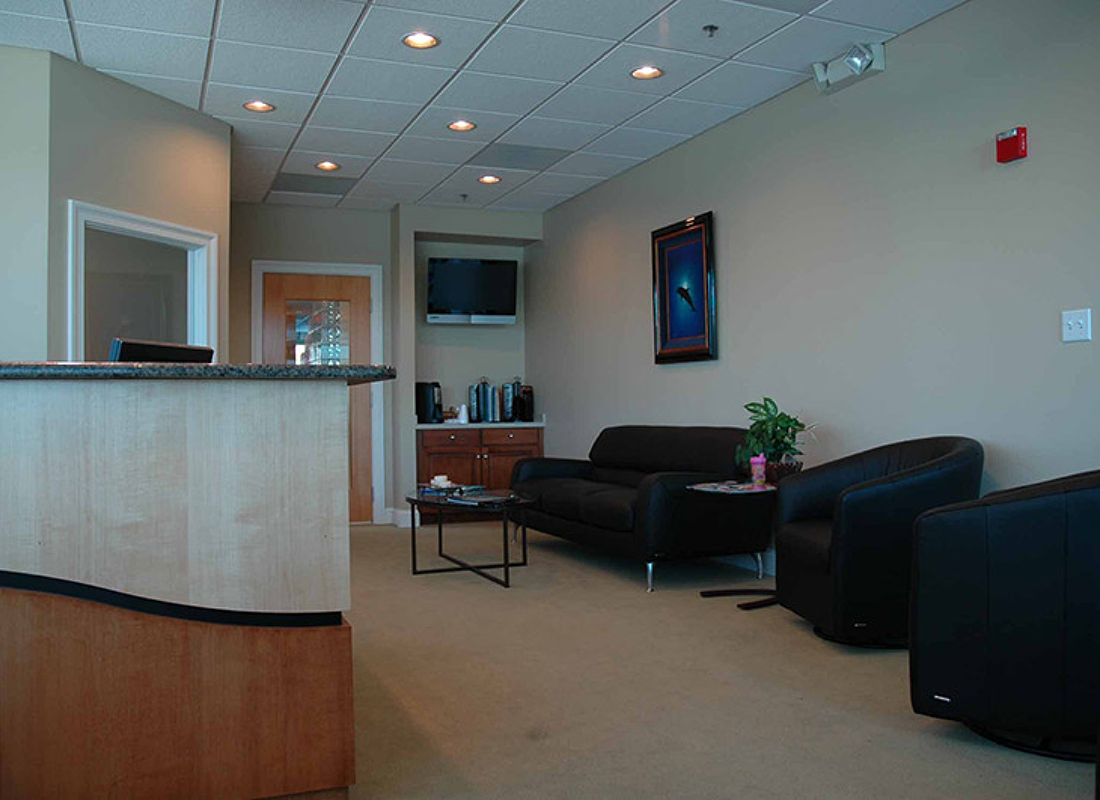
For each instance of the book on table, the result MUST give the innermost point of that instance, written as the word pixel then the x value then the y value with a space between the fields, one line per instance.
pixel 480 498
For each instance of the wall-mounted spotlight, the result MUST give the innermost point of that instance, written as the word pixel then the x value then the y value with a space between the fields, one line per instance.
pixel 861 61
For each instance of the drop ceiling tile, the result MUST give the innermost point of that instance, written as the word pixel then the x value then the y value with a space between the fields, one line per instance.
pixel 615 19
pixel 41 33
pixel 890 15
pixel 194 17
pixel 673 115
pixel 524 199
pixel 229 100
pixel 142 52
pixel 321 25
pixel 797 6
pixel 387 80
pixel 323 183
pixel 439 151
pixel 367 115
pixel 421 173
pixel 384 28
pixel 304 162
pixel 737 84
pixel 36 8
pixel 477 91
pixel 800 44
pixel 530 53
pixel 367 203
pixel 250 133
pixel 635 143
pixel 303 199
pixel 269 67
pixel 465 179
pixel 434 121
pixel 341 142
pixel 368 189
pixel 183 92
pixel 540 132
pixel 595 164
pixel 613 71
pixel 591 104
pixel 680 27
pixel 493 10
pixel 518 157
pixel 447 196
pixel 554 183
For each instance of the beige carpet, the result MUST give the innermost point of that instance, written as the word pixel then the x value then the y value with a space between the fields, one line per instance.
pixel 576 683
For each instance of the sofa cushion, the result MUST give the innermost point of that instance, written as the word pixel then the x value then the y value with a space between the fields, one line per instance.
pixel 806 541
pixel 611 508
pixel 562 496
pixel 668 448
pixel 622 477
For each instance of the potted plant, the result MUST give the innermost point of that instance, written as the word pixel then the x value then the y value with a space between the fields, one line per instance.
pixel 773 433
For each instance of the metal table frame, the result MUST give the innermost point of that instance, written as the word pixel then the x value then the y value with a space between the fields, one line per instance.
pixel 506 562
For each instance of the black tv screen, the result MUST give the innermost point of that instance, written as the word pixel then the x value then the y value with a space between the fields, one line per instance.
pixel 475 286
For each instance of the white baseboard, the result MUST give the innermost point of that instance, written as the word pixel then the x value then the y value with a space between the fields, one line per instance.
pixel 401 517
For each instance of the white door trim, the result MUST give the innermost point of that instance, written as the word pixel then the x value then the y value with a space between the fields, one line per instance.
pixel 202 269
pixel 377 350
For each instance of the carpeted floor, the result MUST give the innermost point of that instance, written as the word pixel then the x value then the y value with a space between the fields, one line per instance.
pixel 576 683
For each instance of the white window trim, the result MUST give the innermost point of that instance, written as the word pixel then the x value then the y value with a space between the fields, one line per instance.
pixel 202 269
pixel 260 268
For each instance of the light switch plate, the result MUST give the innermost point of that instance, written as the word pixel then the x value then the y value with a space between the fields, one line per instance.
pixel 1077 325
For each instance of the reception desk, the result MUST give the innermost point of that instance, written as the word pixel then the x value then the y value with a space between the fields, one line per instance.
pixel 173 572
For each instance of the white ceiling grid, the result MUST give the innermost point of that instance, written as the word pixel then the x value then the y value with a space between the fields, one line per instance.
pixel 547 82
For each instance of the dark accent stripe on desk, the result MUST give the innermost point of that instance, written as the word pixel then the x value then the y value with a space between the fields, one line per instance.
pixel 161 608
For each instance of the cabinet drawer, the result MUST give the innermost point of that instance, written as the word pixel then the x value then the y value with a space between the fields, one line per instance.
pixel 446 438
pixel 491 436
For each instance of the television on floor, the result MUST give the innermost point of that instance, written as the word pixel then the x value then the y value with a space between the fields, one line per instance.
pixel 159 352
pixel 471 291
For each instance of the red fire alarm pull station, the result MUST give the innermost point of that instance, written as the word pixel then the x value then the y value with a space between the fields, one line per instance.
pixel 1012 145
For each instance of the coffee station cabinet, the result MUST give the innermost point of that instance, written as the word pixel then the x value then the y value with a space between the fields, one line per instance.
pixel 475 454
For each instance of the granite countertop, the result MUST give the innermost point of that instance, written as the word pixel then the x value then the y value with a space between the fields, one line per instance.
pixel 65 370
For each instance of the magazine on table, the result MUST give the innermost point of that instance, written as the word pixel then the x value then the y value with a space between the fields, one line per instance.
pixel 480 498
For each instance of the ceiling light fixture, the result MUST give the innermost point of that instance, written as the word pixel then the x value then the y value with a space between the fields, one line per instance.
pixel 489 179
pixel 259 106
pixel 327 166
pixel 461 125
pixel 647 72
pixel 861 61
pixel 420 40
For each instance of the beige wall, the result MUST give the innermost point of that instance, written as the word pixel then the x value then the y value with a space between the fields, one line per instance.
pixel 295 233
pixel 458 355
pixel 878 272
pixel 24 197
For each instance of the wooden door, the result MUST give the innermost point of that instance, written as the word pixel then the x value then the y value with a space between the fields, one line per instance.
pixel 325 319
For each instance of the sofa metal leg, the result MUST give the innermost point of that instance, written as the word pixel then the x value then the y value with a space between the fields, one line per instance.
pixel 649 576
pixel 759 559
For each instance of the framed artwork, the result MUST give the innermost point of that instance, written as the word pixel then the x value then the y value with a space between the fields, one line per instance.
pixel 683 291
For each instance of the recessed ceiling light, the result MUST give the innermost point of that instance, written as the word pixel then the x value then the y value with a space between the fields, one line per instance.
pixel 327 166
pixel 489 179
pixel 259 106
pixel 419 40
pixel 647 73
pixel 461 125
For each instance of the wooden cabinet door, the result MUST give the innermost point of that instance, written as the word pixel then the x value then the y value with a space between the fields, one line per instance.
pixel 498 460
pixel 461 466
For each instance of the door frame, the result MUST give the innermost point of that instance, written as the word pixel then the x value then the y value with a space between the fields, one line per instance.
pixel 202 269
pixel 261 267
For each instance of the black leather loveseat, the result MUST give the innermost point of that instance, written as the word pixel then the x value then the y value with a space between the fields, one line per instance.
pixel 631 495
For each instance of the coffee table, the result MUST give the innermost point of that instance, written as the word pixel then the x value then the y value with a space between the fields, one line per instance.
pixel 735 493
pixel 507 504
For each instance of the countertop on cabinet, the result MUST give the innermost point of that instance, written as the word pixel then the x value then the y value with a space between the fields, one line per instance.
pixel 69 370
pixel 446 426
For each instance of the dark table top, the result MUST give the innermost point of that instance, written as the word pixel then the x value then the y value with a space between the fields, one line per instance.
pixel 507 499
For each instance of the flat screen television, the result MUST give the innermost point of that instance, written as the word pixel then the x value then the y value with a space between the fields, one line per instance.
pixel 471 291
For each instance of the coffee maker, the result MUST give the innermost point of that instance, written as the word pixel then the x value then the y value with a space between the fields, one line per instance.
pixel 429 402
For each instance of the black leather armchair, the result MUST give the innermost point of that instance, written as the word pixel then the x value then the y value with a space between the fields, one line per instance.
pixel 1006 615
pixel 843 539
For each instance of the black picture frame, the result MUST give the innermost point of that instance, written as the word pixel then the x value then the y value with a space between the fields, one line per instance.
pixel 684 315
